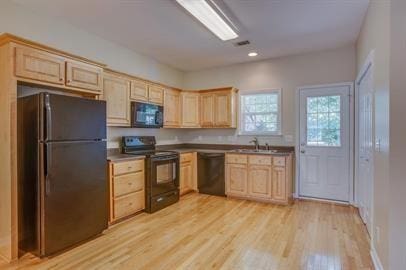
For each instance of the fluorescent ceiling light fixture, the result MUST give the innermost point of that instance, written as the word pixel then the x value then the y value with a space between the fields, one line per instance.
pixel 252 54
pixel 209 17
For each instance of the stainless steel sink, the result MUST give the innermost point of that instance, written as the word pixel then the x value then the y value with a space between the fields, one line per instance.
pixel 253 151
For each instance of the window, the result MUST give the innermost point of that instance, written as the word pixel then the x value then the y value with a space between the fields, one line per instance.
pixel 324 121
pixel 261 113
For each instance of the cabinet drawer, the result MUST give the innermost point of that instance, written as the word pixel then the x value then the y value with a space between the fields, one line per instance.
pixel 128 167
pixel 279 161
pixel 260 160
pixel 186 157
pixel 129 204
pixel 128 183
pixel 239 159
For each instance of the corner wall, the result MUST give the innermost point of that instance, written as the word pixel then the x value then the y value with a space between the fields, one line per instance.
pixel 288 73
pixel 375 36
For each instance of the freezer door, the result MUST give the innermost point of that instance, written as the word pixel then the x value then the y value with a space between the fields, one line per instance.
pixel 74 194
pixel 72 118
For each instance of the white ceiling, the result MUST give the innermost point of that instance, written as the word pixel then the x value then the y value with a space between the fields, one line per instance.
pixel 163 30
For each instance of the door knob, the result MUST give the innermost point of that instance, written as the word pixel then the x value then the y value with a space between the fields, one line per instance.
pixel 302 151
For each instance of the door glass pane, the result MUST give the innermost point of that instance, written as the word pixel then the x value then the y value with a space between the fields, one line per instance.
pixel 323 125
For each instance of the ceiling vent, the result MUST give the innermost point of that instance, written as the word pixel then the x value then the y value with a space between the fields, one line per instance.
pixel 242 43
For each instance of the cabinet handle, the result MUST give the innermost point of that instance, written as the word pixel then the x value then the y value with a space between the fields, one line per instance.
pixel 61 79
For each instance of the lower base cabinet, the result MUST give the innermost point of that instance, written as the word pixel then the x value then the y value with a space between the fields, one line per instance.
pixel 127 188
pixel 259 177
pixel 188 173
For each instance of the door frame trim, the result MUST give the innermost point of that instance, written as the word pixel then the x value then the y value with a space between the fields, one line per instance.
pixel 351 130
pixel 369 64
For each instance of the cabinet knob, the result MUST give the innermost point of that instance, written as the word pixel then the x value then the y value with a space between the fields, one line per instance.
pixel 61 79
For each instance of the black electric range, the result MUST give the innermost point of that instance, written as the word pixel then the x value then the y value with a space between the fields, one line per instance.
pixel 161 171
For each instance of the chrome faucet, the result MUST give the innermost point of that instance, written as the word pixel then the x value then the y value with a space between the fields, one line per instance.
pixel 256 142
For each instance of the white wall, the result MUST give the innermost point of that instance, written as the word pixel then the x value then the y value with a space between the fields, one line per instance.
pixel 375 36
pixel 287 73
pixel 22 22
pixel 397 199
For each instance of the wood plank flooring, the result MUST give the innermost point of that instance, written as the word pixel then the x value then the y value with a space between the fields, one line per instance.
pixel 207 232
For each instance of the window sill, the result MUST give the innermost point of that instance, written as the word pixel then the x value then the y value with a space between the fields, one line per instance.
pixel 261 134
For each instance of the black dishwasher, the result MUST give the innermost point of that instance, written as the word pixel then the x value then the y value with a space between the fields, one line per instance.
pixel 211 173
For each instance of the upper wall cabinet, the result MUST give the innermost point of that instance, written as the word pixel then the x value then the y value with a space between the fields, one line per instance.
pixel 144 92
pixel 172 108
pixel 155 94
pixel 190 109
pixel 207 109
pixel 40 66
pixel 84 76
pixel 139 90
pixel 116 94
pixel 219 108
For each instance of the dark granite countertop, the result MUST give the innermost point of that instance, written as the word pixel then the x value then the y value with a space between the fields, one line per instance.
pixel 115 155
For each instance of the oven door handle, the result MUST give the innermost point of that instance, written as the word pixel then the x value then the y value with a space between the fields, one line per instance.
pixel 173 157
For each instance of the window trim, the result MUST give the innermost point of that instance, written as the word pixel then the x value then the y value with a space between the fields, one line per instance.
pixel 277 91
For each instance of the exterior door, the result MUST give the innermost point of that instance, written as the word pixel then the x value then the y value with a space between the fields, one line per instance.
pixel 365 147
pixel 325 143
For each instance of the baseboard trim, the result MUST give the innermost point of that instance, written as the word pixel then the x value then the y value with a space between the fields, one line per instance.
pixel 375 259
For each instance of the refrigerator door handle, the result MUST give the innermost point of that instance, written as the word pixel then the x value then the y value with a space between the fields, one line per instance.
pixel 48 117
pixel 48 165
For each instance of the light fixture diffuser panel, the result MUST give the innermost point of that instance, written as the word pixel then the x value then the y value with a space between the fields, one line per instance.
pixel 209 18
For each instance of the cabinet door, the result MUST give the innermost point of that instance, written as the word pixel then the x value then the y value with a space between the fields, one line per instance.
pixel 207 110
pixel 116 94
pixel 41 66
pixel 139 90
pixel 155 94
pixel 222 106
pixel 84 76
pixel 172 110
pixel 190 110
pixel 259 181
pixel 185 177
pixel 279 184
pixel 236 180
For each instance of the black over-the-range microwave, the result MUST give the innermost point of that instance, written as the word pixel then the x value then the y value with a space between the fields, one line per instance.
pixel 144 115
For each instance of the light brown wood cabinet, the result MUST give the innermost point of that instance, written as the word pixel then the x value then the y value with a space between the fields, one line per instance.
pixel 218 108
pixel 116 94
pixel 127 188
pixel 139 90
pixel 172 108
pixel 146 92
pixel 84 76
pixel 207 110
pixel 259 177
pixel 39 65
pixel 237 180
pixel 260 181
pixel 155 94
pixel 36 65
pixel 190 110
pixel 188 172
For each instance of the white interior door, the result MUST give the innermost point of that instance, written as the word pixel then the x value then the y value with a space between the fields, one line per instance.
pixel 324 159
pixel 365 147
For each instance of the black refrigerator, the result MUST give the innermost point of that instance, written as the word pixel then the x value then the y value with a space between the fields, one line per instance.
pixel 62 179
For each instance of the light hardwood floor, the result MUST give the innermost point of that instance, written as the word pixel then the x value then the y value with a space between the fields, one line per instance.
pixel 207 232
